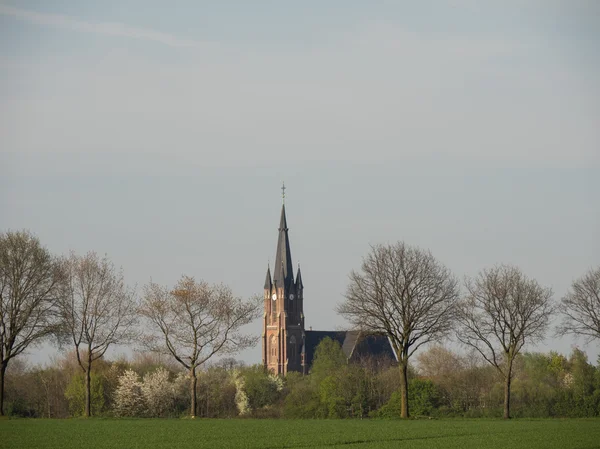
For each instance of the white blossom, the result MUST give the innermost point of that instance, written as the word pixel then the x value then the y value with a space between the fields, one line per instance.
pixel 241 398
pixel 158 392
pixel 277 381
pixel 128 395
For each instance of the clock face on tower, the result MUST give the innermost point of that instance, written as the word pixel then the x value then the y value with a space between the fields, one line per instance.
pixel 292 297
pixel 274 296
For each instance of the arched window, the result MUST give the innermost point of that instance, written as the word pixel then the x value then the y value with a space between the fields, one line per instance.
pixel 292 349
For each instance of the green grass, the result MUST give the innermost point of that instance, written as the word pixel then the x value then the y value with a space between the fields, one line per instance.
pixel 241 433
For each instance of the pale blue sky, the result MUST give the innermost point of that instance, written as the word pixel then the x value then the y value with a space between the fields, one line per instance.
pixel 159 133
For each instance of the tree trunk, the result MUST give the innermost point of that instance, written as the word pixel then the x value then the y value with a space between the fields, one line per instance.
pixel 207 415
pixel 193 382
pixel 2 373
pixel 403 389
pixel 88 390
pixel 508 379
pixel 47 391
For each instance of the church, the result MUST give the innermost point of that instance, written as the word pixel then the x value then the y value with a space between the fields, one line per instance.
pixel 286 344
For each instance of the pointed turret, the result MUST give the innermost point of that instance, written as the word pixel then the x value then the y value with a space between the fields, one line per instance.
pixel 283 274
pixel 268 282
pixel 299 285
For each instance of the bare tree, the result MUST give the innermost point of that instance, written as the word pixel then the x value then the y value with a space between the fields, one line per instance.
pixel 29 276
pixel 439 363
pixel 406 294
pixel 502 311
pixel 581 307
pixel 97 310
pixel 194 321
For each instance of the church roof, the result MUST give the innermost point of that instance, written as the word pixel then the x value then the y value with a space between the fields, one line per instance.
pixel 370 344
pixel 283 270
pixel 355 344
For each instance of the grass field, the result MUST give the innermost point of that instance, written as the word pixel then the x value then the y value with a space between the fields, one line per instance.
pixel 239 433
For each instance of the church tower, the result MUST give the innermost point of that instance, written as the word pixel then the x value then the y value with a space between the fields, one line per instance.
pixel 283 326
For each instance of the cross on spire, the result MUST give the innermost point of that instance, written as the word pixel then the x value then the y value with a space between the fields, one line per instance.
pixel 283 192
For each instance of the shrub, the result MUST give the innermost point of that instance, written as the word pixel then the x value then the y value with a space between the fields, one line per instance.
pixel 129 400
pixel 158 393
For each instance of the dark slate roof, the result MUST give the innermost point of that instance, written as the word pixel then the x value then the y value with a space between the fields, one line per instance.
pixel 283 270
pixel 268 282
pixel 355 344
pixel 375 345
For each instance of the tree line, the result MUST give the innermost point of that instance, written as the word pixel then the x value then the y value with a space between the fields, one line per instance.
pixel 403 292
pixel 442 383
pixel 84 304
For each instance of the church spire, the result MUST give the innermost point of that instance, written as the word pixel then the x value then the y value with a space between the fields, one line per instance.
pixel 283 220
pixel 283 273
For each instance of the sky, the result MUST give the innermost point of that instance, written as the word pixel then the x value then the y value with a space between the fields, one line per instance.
pixel 159 133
